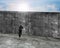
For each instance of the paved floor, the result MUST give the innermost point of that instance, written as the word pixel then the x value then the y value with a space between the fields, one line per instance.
pixel 12 41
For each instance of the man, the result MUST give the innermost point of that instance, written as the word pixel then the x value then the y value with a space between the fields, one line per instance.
pixel 20 30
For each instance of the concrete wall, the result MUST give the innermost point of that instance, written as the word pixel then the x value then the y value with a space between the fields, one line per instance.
pixel 10 21
pixel 44 24
pixel 34 23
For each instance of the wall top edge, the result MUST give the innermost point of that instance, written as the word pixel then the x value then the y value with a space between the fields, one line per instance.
pixel 26 12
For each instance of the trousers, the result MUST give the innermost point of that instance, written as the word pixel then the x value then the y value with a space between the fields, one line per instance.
pixel 20 33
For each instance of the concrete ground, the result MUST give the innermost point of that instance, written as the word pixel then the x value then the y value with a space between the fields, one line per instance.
pixel 12 41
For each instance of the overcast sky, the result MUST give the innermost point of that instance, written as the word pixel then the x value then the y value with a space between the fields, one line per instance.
pixel 30 5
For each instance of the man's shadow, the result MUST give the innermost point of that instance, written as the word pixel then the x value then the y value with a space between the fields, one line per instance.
pixel 22 39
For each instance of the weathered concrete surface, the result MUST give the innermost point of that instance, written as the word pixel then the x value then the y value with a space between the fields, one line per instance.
pixel 12 41
pixel 34 23
pixel 44 24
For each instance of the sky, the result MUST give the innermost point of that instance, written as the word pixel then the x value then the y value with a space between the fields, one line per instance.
pixel 30 5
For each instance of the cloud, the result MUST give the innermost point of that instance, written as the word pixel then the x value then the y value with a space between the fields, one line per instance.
pixel 1 8
pixel 52 7
pixel 15 5
pixel 19 7
pixel 46 8
pixel 12 7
